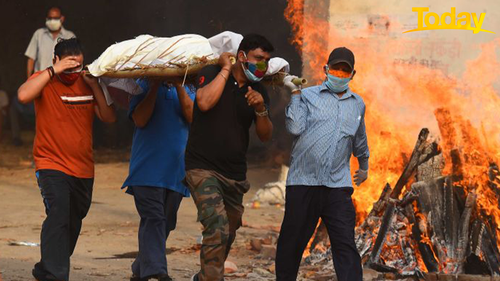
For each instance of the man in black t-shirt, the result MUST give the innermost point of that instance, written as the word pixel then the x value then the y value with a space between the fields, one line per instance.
pixel 229 99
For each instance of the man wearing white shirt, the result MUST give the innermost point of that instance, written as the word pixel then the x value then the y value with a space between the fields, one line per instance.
pixel 40 51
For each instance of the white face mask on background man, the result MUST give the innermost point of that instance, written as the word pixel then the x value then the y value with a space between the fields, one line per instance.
pixel 53 24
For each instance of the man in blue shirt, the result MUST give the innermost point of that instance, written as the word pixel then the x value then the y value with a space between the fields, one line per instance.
pixel 328 124
pixel 162 114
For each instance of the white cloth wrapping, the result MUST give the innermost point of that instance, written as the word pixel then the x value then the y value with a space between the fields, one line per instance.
pixel 226 41
pixel 146 50
pixel 276 65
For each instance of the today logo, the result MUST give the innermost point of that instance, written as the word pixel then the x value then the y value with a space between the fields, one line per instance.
pixel 463 21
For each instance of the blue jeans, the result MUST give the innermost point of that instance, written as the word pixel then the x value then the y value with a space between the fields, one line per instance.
pixel 157 208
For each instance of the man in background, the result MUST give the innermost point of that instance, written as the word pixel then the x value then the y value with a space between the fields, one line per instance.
pixel 40 53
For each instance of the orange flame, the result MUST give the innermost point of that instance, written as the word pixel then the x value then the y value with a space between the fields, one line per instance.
pixel 307 251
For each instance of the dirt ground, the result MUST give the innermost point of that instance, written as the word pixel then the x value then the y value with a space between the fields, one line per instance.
pixel 108 242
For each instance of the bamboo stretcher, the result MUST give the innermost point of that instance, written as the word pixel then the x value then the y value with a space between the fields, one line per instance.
pixel 188 72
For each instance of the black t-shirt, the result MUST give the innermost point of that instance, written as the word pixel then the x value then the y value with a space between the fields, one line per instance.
pixel 218 138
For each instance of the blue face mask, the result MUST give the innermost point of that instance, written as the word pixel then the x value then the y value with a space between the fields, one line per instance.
pixel 250 76
pixel 336 84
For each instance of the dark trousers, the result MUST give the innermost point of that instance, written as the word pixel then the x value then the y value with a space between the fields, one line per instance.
pixel 67 200
pixel 157 208
pixel 303 208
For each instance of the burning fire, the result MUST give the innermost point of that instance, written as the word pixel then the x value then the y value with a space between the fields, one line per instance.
pixel 403 98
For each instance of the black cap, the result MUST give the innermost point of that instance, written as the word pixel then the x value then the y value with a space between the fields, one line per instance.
pixel 341 54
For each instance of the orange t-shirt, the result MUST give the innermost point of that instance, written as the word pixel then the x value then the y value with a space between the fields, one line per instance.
pixel 64 117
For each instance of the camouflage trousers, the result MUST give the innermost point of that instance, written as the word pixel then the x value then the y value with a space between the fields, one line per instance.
pixel 219 201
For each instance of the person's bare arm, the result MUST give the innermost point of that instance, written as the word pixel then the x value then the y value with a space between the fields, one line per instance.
pixel 30 67
pixel 208 96
pixel 263 125
pixel 105 112
pixel 32 54
pixel 144 110
pixel 186 102
pixel 264 128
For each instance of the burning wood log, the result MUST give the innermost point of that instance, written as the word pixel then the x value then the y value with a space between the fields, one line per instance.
pixel 364 233
pixel 423 246
pixel 383 268
pixel 377 209
pixel 399 251
pixel 415 160
pixel 431 169
pixel 494 174
pixel 456 161
pixel 490 251
pixel 483 256
pixel 430 202
pixel 474 264
pixel 417 157
pixel 446 128
pixel 463 238
pixel 451 219
pixel 381 236
pixel 431 208
pixel 494 180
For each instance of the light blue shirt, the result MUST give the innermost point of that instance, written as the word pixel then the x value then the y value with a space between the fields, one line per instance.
pixel 327 130
pixel 41 47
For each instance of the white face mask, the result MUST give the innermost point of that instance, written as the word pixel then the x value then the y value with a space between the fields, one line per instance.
pixel 53 24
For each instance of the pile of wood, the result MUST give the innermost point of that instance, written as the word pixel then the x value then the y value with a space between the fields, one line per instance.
pixel 434 223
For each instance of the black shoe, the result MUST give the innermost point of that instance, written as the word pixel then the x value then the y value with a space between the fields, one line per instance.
pixel 195 277
pixel 137 278
pixel 39 273
pixel 164 277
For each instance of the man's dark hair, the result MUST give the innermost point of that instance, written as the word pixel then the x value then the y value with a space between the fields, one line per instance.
pixel 68 47
pixel 55 7
pixel 254 41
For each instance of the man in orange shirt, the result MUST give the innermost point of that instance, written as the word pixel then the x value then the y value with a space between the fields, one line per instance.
pixel 66 100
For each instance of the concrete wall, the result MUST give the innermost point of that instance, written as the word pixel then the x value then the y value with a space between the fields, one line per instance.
pixel 385 20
